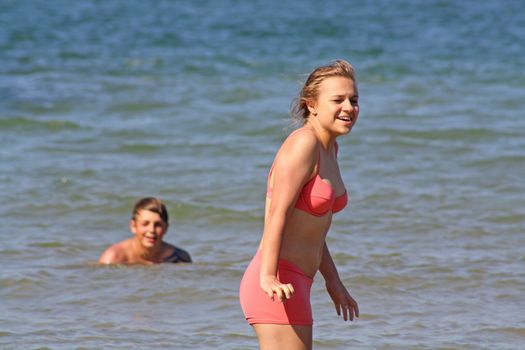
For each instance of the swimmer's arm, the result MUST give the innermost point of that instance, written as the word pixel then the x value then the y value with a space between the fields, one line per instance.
pixel 292 169
pixel 109 256
pixel 115 254
pixel 344 303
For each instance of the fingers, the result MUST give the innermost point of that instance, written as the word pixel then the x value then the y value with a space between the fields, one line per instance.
pixel 354 308
pixel 349 310
pixel 348 313
pixel 344 304
pixel 283 292
pixel 338 309
pixel 269 292
pixel 289 291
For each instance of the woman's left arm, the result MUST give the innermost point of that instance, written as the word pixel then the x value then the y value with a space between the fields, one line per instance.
pixel 343 301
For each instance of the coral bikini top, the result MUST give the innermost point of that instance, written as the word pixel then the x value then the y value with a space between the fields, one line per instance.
pixel 317 197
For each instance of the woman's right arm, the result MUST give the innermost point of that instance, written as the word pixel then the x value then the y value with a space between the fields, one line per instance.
pixel 293 167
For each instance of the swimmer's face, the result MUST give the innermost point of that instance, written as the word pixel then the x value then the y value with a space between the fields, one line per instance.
pixel 149 228
pixel 337 106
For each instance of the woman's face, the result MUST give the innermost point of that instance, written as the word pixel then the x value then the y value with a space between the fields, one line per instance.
pixel 336 107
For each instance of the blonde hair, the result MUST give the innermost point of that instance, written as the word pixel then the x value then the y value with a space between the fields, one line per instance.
pixel 152 204
pixel 310 90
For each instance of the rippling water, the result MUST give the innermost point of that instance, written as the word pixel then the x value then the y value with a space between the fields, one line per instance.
pixel 105 102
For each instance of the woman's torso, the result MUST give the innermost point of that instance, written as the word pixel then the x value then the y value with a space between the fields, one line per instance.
pixel 307 225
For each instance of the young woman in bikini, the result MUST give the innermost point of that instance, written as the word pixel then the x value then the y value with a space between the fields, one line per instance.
pixel 305 189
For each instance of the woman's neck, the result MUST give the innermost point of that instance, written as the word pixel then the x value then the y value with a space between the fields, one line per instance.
pixel 326 139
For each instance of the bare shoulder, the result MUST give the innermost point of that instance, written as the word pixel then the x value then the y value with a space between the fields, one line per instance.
pixel 303 137
pixel 300 146
pixel 115 254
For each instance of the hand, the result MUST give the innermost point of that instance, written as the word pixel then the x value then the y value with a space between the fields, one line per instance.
pixel 343 301
pixel 271 285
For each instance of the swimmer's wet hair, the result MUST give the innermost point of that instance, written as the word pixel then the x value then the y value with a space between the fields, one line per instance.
pixel 152 204
pixel 310 90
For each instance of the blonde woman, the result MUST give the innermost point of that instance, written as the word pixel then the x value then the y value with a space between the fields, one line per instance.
pixel 305 189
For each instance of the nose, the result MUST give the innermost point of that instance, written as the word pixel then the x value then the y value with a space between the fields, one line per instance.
pixel 347 105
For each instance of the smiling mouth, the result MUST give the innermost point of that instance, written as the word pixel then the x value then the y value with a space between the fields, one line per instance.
pixel 345 119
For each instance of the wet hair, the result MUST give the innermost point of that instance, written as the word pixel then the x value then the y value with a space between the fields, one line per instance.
pixel 310 90
pixel 152 204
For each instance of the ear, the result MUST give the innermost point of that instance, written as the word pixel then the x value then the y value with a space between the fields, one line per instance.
pixel 133 226
pixel 311 107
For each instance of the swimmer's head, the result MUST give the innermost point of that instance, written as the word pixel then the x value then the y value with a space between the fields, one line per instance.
pixel 150 204
pixel 310 90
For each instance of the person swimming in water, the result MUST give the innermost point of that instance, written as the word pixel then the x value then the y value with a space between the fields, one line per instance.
pixel 304 190
pixel 149 223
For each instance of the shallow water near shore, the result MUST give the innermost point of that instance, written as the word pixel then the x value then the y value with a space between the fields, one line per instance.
pixel 102 103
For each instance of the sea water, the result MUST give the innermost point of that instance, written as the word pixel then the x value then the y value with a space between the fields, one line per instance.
pixel 104 102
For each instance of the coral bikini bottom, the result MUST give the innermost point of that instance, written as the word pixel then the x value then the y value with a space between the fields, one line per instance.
pixel 259 308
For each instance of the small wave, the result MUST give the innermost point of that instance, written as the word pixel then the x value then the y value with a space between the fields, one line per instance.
pixel 500 161
pixel 215 214
pixel 508 219
pixel 139 148
pixel 386 281
pixel 237 95
pixel 138 107
pixel 128 134
pixel 9 252
pixel 21 284
pixel 450 134
pixel 344 257
pixel 32 125
pixel 47 245
pixel 508 330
